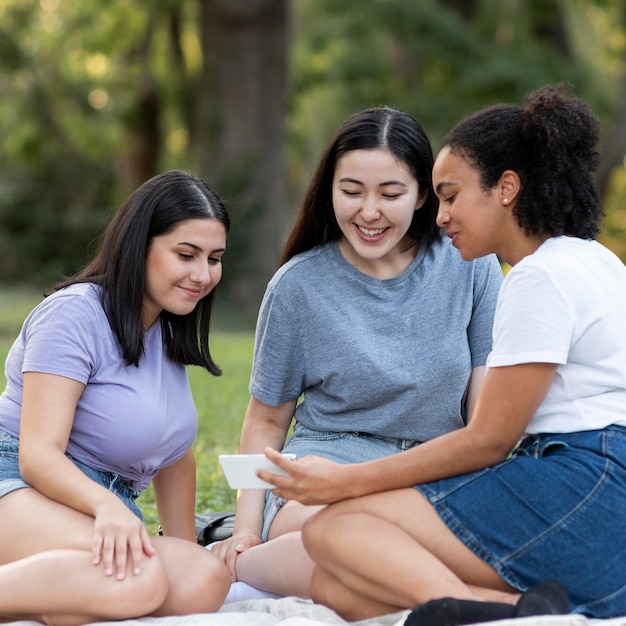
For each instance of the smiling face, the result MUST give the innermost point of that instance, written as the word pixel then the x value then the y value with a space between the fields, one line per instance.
pixel 182 267
pixel 374 198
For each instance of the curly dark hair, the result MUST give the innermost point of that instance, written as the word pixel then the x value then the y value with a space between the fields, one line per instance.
pixel 550 143
pixel 379 127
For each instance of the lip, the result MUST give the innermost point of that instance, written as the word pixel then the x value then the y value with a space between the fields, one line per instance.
pixel 371 238
pixel 192 292
pixel 453 236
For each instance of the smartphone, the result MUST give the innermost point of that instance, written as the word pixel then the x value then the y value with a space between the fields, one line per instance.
pixel 240 470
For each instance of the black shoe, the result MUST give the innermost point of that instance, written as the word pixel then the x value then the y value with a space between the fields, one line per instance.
pixel 453 612
pixel 546 598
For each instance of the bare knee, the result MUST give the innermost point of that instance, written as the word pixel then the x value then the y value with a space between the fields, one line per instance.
pixel 316 531
pixel 198 580
pixel 138 594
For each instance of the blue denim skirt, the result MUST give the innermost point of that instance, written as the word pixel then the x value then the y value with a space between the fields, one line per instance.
pixel 555 509
pixel 11 479
pixel 348 447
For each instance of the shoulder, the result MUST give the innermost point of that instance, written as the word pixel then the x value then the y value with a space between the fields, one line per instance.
pixel 302 268
pixel 75 305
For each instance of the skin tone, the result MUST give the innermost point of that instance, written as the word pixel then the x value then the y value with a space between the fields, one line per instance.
pixel 90 540
pixel 374 199
pixel 360 578
pixel 182 267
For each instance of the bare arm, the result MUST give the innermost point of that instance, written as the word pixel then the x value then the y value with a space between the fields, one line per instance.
pixel 48 408
pixel 263 426
pixel 508 399
pixel 477 378
pixel 175 492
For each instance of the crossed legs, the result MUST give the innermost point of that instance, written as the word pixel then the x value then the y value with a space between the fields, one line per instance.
pixel 390 551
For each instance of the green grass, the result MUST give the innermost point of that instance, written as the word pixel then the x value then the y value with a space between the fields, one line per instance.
pixel 221 402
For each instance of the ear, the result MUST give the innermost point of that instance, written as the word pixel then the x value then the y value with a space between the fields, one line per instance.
pixel 508 187
pixel 421 199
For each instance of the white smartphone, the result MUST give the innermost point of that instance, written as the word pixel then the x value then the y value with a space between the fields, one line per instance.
pixel 240 470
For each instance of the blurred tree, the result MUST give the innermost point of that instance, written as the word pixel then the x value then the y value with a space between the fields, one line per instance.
pixel 98 96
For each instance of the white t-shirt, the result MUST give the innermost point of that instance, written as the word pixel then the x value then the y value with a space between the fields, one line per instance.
pixel 566 304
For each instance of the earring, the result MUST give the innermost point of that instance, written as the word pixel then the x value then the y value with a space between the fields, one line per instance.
pixel 505 201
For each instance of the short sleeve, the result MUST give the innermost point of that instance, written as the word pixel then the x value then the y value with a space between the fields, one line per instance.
pixel 63 336
pixel 278 367
pixel 534 321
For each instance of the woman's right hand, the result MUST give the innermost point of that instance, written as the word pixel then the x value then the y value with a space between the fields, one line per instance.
pixel 229 549
pixel 120 539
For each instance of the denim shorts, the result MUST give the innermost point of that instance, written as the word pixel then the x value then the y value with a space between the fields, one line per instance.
pixel 555 509
pixel 11 479
pixel 349 447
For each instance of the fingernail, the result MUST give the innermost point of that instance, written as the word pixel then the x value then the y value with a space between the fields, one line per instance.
pixel 137 571
pixel 240 547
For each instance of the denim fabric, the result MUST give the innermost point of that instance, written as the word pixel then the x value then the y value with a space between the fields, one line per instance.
pixel 349 447
pixel 555 509
pixel 10 478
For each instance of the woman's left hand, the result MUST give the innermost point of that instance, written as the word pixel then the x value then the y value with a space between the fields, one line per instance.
pixel 311 479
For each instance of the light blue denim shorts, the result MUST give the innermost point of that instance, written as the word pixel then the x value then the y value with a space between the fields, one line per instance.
pixel 350 447
pixel 556 509
pixel 11 479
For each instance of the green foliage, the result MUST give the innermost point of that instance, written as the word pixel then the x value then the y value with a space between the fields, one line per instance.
pixel 98 95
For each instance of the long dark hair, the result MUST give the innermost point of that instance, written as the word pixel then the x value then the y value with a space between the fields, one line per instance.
pixel 154 209
pixel 380 127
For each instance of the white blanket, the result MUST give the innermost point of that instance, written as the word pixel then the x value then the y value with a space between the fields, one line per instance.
pixel 296 612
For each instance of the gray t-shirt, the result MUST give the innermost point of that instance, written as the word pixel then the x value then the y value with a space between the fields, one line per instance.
pixel 385 357
pixel 129 420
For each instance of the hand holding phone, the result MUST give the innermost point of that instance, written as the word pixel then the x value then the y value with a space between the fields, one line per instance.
pixel 240 470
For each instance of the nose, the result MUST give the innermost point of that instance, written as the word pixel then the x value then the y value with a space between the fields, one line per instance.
pixel 369 209
pixel 443 216
pixel 206 273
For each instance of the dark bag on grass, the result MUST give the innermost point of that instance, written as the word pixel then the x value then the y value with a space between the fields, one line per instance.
pixel 212 527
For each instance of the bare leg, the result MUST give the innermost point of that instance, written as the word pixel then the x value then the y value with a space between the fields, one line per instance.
pixel 391 551
pixel 281 565
pixel 47 570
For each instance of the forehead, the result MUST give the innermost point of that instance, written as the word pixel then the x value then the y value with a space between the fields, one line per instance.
pixel 451 168
pixel 375 160
pixel 198 229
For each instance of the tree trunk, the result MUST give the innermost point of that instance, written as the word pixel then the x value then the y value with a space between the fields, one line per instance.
pixel 241 123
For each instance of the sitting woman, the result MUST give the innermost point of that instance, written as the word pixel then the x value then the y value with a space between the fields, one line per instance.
pixel 373 321
pixel 534 488
pixel 98 405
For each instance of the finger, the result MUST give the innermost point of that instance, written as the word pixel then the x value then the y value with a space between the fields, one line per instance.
pixel 108 553
pixel 146 542
pixel 96 550
pixel 284 462
pixel 121 557
pixel 135 552
pixel 231 564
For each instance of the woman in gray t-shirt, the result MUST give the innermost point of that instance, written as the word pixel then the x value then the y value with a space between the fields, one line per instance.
pixel 373 333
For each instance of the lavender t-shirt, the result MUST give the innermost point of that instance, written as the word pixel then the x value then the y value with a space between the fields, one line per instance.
pixel 129 420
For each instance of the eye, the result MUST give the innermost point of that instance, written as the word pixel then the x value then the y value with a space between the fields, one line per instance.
pixel 391 196
pixel 185 257
pixel 213 260
pixel 450 199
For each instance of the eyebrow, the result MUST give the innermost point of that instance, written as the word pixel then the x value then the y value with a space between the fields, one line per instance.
pixel 198 248
pixel 443 184
pixel 347 179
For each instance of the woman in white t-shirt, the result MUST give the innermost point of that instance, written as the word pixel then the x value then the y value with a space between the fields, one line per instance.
pixel 533 490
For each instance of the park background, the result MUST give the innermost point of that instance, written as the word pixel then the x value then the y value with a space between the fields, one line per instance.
pixel 96 96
